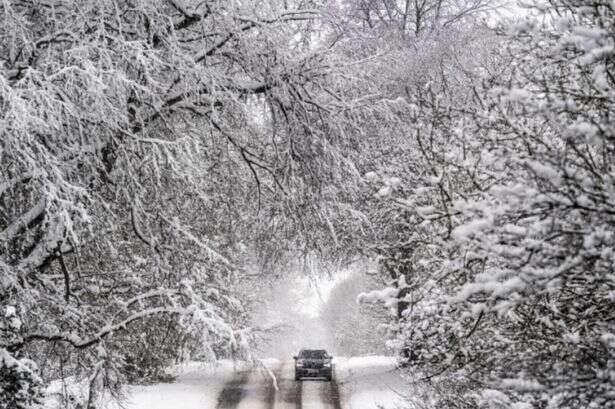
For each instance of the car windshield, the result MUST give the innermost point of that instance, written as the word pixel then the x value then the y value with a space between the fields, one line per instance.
pixel 313 354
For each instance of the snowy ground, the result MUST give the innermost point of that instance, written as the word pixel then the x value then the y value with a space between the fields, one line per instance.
pixel 360 383
pixel 371 382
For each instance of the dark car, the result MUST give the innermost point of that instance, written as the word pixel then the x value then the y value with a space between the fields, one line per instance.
pixel 313 363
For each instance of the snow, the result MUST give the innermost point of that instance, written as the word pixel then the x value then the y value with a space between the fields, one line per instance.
pixel 197 386
pixel 518 95
pixel 68 386
pixel 388 296
pixel 544 171
pixel 11 316
pixel 493 397
pixel 521 385
pixel 472 228
pixel 384 191
pixel 369 382
pixel 10 310
pixel 371 176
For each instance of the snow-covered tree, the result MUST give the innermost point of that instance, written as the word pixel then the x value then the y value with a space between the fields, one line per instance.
pixel 147 149
pixel 515 299
pixel 539 242
pixel 415 17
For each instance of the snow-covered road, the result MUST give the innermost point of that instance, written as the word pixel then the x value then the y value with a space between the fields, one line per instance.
pixel 359 383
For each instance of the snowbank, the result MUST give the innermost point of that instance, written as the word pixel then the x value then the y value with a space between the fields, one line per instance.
pixel 371 382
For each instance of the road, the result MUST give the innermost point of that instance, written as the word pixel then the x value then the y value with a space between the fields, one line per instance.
pixel 257 390
pixel 358 383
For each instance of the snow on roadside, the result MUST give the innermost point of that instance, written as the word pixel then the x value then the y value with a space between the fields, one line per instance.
pixel 371 382
pixel 197 386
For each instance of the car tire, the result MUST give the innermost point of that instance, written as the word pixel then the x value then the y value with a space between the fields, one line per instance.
pixel 297 377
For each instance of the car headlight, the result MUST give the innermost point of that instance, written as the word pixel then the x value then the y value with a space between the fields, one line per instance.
pixel 299 364
pixel 327 365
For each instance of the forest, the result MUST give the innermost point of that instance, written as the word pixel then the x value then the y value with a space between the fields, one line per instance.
pixel 165 165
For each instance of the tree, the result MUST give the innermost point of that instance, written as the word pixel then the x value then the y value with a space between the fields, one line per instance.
pixel 419 162
pixel 544 247
pixel 141 143
pixel 515 299
pixel 416 16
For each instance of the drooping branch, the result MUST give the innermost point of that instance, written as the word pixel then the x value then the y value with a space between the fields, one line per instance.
pixel 79 343
pixel 23 221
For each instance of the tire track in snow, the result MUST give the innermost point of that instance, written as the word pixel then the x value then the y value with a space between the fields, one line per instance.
pixel 334 394
pixel 233 392
pixel 270 392
pixel 290 390
pixel 270 387
pixel 298 395
pixel 330 393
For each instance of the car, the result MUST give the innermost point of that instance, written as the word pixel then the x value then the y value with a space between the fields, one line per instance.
pixel 313 363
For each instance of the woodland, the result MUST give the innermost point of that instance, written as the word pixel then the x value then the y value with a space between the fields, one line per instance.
pixel 164 163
